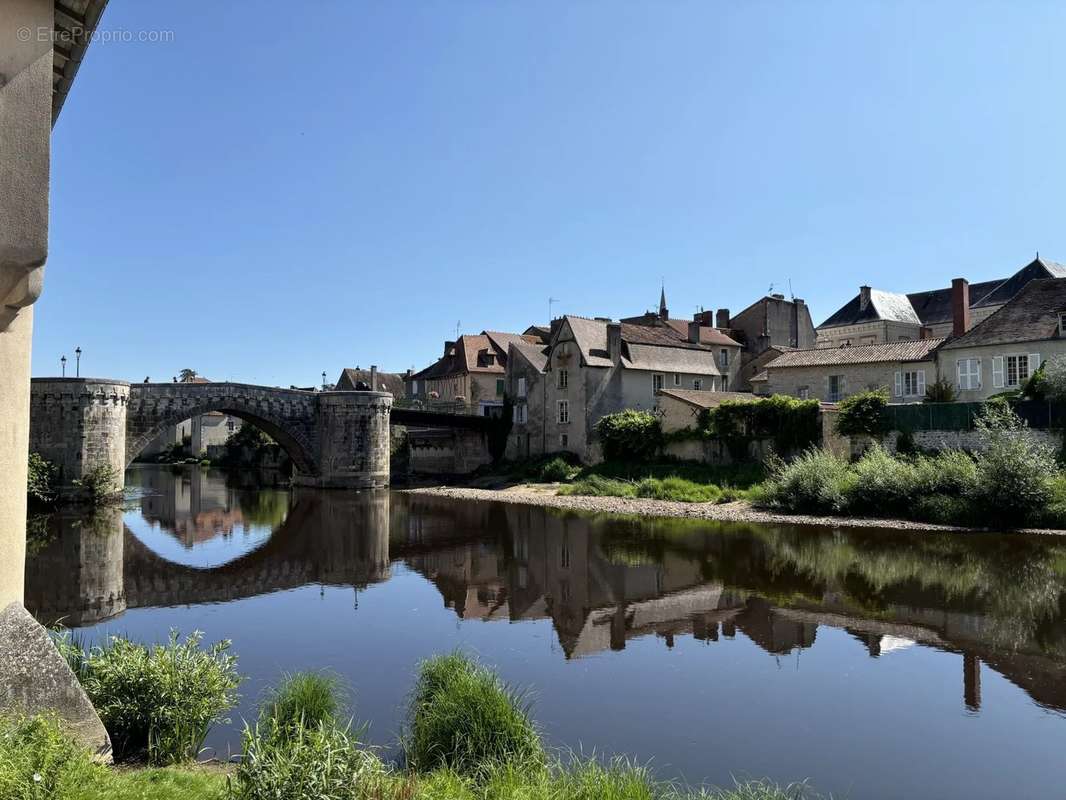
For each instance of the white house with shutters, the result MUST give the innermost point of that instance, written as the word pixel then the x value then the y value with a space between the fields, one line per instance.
pixel 1000 353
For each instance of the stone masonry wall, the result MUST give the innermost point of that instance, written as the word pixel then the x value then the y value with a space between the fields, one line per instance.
pixel 79 424
pixel 352 438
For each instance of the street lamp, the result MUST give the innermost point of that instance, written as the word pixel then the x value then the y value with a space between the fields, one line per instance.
pixel 77 362
pixel 63 365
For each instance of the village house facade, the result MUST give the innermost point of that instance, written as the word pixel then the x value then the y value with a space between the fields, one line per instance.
pixel 1002 352
pixel 472 371
pixel 594 367
pixel 905 369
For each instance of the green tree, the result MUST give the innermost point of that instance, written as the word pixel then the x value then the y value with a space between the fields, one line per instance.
pixel 187 375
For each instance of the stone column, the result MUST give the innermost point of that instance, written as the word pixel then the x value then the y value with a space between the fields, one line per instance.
pixel 79 424
pixel 25 128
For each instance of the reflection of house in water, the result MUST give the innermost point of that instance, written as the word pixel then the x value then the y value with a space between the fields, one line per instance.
pixel 601 590
pixel 193 506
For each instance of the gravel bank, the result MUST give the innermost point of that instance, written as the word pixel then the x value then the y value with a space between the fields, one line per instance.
pixel 740 511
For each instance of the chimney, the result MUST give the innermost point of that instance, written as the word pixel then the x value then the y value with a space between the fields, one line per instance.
pixel 448 346
pixel 614 342
pixel 723 318
pixel 960 306
pixel 694 332
pixel 374 378
pixel 705 318
pixel 864 298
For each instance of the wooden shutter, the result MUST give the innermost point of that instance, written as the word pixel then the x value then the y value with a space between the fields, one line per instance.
pixel 899 384
pixel 1034 363
pixel 980 372
pixel 958 373
pixel 921 383
pixel 997 372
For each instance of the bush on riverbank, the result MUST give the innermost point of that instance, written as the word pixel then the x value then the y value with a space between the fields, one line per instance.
pixel 630 435
pixel 1013 480
pixel 462 717
pixel 157 701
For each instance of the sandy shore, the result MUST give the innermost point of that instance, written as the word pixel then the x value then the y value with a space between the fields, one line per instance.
pixel 740 511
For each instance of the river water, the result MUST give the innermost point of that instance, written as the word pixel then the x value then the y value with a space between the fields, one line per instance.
pixel 876 664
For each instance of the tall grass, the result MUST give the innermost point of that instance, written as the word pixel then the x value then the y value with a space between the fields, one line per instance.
pixel 323 761
pixel 307 699
pixel 159 701
pixel 463 717
pixel 37 762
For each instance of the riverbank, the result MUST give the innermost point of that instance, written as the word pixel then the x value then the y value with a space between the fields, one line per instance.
pixel 546 495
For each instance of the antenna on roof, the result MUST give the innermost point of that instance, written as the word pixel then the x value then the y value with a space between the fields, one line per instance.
pixel 458 326
pixel 791 293
pixel 771 289
pixel 551 301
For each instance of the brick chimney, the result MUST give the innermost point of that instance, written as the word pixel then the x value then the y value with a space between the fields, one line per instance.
pixel 960 306
pixel 614 342
pixel 694 332
pixel 864 298
pixel 723 318
pixel 704 318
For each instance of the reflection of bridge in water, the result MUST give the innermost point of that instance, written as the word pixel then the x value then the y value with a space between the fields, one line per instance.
pixel 601 583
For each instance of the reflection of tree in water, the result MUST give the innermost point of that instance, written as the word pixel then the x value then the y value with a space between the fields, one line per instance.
pixel 1017 583
pixel 263 508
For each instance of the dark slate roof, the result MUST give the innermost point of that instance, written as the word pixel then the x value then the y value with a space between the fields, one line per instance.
pixel 535 354
pixel 1036 269
pixel 916 350
pixel 1032 315
pixel 934 307
pixel 883 305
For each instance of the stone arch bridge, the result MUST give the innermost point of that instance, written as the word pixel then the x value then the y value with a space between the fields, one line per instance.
pixel 335 439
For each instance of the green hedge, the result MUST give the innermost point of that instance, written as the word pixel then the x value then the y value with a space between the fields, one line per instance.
pixel 630 435
pixel 863 414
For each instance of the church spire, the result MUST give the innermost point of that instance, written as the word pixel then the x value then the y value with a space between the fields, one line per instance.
pixel 663 313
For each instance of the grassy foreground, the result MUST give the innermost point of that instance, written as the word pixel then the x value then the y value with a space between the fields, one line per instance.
pixel 682 482
pixel 468 736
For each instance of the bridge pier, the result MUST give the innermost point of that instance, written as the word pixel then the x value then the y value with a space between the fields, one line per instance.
pixel 353 446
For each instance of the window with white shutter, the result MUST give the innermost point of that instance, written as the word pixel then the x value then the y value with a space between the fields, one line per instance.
pixel 997 372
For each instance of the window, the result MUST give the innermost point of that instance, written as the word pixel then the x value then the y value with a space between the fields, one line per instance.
pixel 723 357
pixel 564 411
pixel 521 413
pixel 1013 370
pixel 968 373
pixel 414 387
pixel 1017 370
pixel 835 390
pixel 677 379
pixel 499 387
pixel 804 393
pixel 563 440
pixel 564 379
pixel 725 384
pixel 521 387
pixel 656 382
pixel 1062 323
pixel 910 383
pixel 697 384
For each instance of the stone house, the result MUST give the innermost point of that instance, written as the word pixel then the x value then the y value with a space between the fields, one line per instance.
pixel 392 382
pixel 905 368
pixel 680 408
pixel 593 367
pixel 875 316
pixel 1003 351
pixel 471 371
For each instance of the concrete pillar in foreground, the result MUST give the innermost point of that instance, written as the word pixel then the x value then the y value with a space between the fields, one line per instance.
pixel 25 129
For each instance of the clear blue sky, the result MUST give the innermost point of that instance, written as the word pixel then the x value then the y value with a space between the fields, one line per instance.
pixel 291 187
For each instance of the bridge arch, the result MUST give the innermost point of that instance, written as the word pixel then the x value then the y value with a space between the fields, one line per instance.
pixel 286 415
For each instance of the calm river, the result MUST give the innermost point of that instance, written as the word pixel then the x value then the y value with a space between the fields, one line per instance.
pixel 876 664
